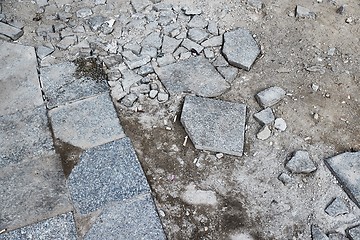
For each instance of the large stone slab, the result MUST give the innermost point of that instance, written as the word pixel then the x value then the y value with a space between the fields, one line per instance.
pixel 20 88
pixel 130 219
pixel 24 134
pixel 59 227
pixel 31 191
pixel 66 82
pixel 87 123
pixel 106 173
pixel 10 31
pixel 240 48
pixel 214 125
pixel 195 75
pixel 346 168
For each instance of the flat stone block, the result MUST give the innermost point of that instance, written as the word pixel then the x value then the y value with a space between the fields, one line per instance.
pixel 59 227
pixel 270 96
pixel 300 162
pixel 346 168
pixel 20 88
pixel 106 173
pixel 31 191
pixel 24 134
pixel 337 207
pixel 354 232
pixel 10 31
pixel 130 219
pixel 62 84
pixel 87 123
pixel 202 80
pixel 214 125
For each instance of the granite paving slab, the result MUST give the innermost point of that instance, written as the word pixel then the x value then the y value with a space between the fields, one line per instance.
pixel 135 218
pixel 24 134
pixel 65 82
pixel 215 125
pixel 106 173
pixel 346 168
pixel 195 75
pixel 87 123
pixel 59 227
pixel 31 191
pixel 20 88
pixel 354 232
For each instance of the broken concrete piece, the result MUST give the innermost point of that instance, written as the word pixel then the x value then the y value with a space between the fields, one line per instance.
pixel 213 42
pixel 209 54
pixel 193 196
pixel 214 125
pixel 354 232
pixel 170 44
pixel 265 117
pixel 229 73
pixel 197 34
pixel 138 62
pixel 192 46
pixel 337 207
pixel 43 51
pixel 280 124
pixel 129 78
pixel 152 40
pixel 197 21
pixel 213 28
pixel 10 31
pixel 203 79
pixel 129 100
pixel 240 48
pixel 304 12
pixel 346 168
pixel 140 5
pixel 270 96
pixel 300 162
pixel 285 178
pixel 264 133
pixel 317 233
pixel 165 60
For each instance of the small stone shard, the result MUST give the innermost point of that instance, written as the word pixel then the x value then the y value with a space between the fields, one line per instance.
pixel 129 100
pixel 270 96
pixel 300 162
pixel 265 117
pixel 264 133
pixel 337 207
pixel 280 124
pixel 240 48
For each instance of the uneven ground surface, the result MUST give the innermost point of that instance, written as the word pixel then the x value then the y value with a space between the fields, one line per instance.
pixel 250 202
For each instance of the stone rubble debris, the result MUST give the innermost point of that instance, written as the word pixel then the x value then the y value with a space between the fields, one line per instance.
pixel 300 162
pixel 280 124
pixel 265 117
pixel 264 133
pixel 270 96
pixel 337 207
pixel 317 233
pixel 9 31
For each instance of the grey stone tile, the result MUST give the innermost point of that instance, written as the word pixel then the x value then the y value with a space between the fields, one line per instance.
pixel 179 77
pixel 354 232
pixel 24 134
pixel 337 207
pixel 20 88
pixel 130 219
pixel 61 83
pixel 87 123
pixel 106 173
pixel 270 96
pixel 59 227
pixel 10 31
pixel 346 168
pixel 215 125
pixel 32 190
pixel 317 233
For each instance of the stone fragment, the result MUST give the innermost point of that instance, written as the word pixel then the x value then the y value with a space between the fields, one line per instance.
pixel 209 54
pixel 152 40
pixel 162 96
pixel 285 178
pixel 220 61
pixel 229 73
pixel 129 78
pixel 240 48
pixel 185 55
pixel 129 100
pixel 150 51
pixel 346 168
pixel 140 5
pixel 117 92
pixel 170 44
pixel 300 162
pixel 192 46
pixel 130 219
pixel 43 51
pixel 141 89
pixel 213 42
pixel 194 196
pixel 166 18
pixel 270 96
pixel 106 173
pixel 95 22
pixel 84 12
pixel 42 3
pixel 59 227
pixel 213 28
pixel 20 88
pixel 86 123
pixel 153 93
pixel 303 12
pixel 66 42
pixel 191 11
pixel 257 4
pixel 264 133
pixel 337 236
pixel 265 117
pixel 197 21
pixel 317 233
pixel 197 34
pixel 280 124
pixel 145 69
pixel 134 47
pixel 354 232
pixel 100 2
pixel 214 125
pixel 162 7
pixel 138 62
pixel 165 60
pixel 10 31
pixel 337 207
pixel 203 80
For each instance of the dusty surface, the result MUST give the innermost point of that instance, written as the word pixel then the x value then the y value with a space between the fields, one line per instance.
pixel 251 203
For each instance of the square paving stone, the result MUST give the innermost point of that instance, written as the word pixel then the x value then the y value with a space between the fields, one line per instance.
pixel 31 191
pixel 106 173
pixel 59 227
pixel 130 219
pixel 19 81
pixel 64 82
pixel 87 123
pixel 214 125
pixel 24 134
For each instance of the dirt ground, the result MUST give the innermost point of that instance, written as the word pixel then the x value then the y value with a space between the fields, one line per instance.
pixel 251 203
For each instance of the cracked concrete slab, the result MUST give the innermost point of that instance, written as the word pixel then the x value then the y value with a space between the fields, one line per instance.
pixel 19 80
pixel 87 123
pixel 106 173
pixel 215 125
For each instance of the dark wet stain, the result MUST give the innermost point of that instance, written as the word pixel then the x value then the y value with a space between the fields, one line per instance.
pixel 235 216
pixel 69 154
pixel 90 68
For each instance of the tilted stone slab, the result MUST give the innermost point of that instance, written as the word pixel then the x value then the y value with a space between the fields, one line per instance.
pixel 106 173
pixel 346 168
pixel 19 81
pixel 61 84
pixel 135 218
pixel 195 75
pixel 32 190
pixel 87 123
pixel 59 227
pixel 10 31
pixel 215 125
pixel 354 232
pixel 240 48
